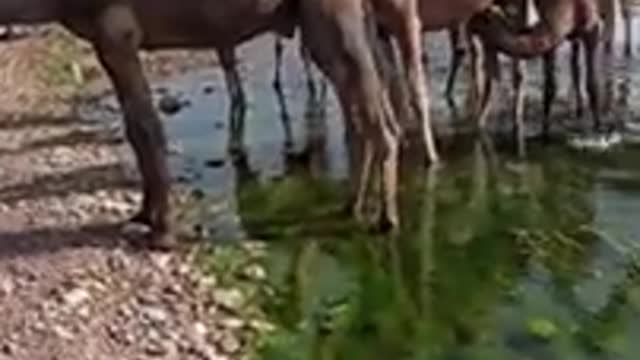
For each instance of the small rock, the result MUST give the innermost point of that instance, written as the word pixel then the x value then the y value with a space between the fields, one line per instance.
pixel 6 287
pixel 170 105
pixel 114 207
pixel 161 90
pixel 198 194
pixel 542 328
pixel 261 325
pixel 175 149
pixel 200 329
pixel 155 315
pixel 132 198
pixel 7 348
pixel 208 89
pixel 118 261
pixel 230 299
pixel 156 348
pixel 232 323
pixel 229 344
pixel 120 336
pixel 39 326
pixel 63 332
pixel 160 260
pixel 201 231
pixel 255 272
pixel 214 163
pixel 75 297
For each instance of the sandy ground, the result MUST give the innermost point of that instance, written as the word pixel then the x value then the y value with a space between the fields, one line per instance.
pixel 70 286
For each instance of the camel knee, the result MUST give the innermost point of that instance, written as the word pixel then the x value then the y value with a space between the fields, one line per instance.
pixel 118 28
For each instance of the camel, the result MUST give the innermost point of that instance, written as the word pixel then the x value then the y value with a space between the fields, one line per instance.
pixel 238 98
pixel 630 9
pixel 118 29
pixel 430 15
pixel 7 33
pixel 577 20
pixel 277 83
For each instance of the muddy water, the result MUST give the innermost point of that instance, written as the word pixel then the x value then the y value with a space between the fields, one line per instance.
pixel 497 259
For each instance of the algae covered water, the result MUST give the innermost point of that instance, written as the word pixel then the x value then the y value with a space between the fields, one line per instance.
pixel 497 258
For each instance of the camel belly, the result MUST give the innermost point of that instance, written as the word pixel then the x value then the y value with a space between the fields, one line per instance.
pixel 441 14
pixel 205 23
pixel 27 11
pixel 630 7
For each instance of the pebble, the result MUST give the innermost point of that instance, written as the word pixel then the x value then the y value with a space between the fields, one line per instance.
pixel 161 260
pixel 232 323
pixel 214 163
pixel 200 329
pixel 63 332
pixel 156 349
pixel 6 287
pixel 229 344
pixel 7 348
pixel 171 105
pixel 230 299
pixel 175 149
pixel 155 315
pixel 75 297
pixel 255 272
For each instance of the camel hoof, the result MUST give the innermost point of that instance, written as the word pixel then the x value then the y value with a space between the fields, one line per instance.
pixel 433 160
pixel 237 153
pixel 388 226
pixel 288 147
pixel 164 241
pixel 142 217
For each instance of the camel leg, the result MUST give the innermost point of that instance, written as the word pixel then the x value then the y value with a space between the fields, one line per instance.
pixel 628 35
pixel 308 70
pixel 280 96
pixel 609 19
pixel 478 76
pixel 409 39
pixel 518 77
pixel 458 53
pixel 341 47
pixel 550 90
pixel 491 75
pixel 8 33
pixel 278 49
pixel 116 45
pixel 237 99
pixel 576 76
pixel 591 42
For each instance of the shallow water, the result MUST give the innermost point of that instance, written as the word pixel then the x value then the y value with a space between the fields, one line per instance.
pixel 497 258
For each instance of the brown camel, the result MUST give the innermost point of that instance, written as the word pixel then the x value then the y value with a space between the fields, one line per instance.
pixel 606 9
pixel 458 53
pixel 400 19
pixel 119 28
pixel 339 35
pixel 630 9
pixel 576 20
pixel 277 84
pixel 237 99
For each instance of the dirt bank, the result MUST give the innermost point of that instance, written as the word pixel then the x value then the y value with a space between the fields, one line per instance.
pixel 70 287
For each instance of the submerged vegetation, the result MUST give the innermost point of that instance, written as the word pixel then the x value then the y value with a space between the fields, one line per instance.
pixel 496 260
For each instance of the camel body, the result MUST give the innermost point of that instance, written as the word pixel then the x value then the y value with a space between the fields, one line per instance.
pixel 333 30
pixel 163 24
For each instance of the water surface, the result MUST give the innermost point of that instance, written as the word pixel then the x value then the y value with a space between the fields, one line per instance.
pixel 497 258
